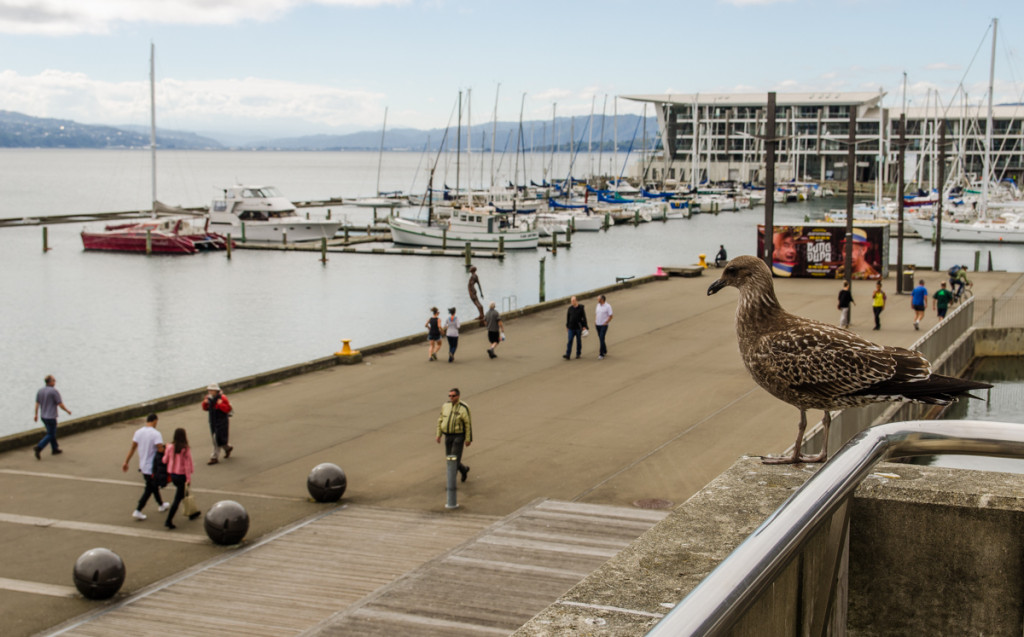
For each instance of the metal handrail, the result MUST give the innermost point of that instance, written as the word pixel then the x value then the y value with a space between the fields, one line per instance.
pixel 721 599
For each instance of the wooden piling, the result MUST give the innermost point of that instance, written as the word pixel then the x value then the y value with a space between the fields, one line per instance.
pixel 227 248
pixel 46 245
pixel 149 242
pixel 469 255
pixel 554 242
pixel 541 296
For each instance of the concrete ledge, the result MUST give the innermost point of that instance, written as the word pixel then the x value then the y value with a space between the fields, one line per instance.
pixel 687 271
pixel 193 396
pixel 923 542
pixel 632 591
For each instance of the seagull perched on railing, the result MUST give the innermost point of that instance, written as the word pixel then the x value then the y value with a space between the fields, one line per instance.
pixel 813 365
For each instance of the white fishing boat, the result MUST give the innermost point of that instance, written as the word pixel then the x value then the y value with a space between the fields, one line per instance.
pixel 261 213
pixel 481 228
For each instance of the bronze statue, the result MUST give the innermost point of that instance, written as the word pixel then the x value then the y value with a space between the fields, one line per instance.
pixel 474 283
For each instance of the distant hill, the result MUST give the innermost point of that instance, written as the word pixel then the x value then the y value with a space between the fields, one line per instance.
pixel 536 135
pixel 23 131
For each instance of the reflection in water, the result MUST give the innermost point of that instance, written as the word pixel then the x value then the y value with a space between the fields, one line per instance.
pixel 1001 403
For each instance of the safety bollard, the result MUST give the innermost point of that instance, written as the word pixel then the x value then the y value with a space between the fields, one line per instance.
pixel 452 463
pixel 703 261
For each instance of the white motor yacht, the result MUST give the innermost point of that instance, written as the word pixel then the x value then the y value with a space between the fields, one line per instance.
pixel 261 213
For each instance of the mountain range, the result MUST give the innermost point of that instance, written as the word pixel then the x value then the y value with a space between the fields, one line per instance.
pixel 24 131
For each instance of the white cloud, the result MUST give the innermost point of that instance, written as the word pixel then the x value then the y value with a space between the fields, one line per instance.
pixel 943 66
pixel 187 104
pixel 69 17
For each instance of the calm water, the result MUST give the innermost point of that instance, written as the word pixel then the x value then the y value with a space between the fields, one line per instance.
pixel 1001 403
pixel 120 328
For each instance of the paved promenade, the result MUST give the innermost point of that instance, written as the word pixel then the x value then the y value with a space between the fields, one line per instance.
pixel 669 409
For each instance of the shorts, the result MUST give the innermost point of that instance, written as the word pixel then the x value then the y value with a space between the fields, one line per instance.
pixel 942 311
pixel 493 337
pixel 918 308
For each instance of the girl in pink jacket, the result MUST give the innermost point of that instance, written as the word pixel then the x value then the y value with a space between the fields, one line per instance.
pixel 178 458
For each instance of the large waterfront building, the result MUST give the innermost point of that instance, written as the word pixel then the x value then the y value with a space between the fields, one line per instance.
pixel 720 137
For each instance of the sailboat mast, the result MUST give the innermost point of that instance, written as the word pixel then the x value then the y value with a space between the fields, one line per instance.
pixel 152 124
pixel 458 147
pixel 494 131
pixel 380 155
pixel 988 122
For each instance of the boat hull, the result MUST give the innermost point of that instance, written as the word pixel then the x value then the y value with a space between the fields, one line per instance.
pixel 977 232
pixel 266 232
pixel 410 233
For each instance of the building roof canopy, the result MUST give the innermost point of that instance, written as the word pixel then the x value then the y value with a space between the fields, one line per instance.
pixel 761 99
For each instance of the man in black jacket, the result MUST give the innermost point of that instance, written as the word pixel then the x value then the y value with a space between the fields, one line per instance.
pixel 576 324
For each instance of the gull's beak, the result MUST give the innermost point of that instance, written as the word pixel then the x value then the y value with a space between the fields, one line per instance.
pixel 716 286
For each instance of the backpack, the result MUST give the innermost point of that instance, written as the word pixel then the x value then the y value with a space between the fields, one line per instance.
pixel 953 270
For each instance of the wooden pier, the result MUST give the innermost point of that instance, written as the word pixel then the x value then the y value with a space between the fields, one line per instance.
pixel 368 571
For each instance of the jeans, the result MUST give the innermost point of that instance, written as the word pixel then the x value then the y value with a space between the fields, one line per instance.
pixel 178 480
pixel 578 335
pixel 152 488
pixel 601 331
pixel 453 444
pixel 453 344
pixel 51 434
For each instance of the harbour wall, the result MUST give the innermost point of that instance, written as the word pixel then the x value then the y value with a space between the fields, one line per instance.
pixel 193 396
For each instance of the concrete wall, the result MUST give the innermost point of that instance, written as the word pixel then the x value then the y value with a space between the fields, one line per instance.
pixel 932 551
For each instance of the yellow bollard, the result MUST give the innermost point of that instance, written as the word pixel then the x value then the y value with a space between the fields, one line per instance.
pixel 703 261
pixel 347 355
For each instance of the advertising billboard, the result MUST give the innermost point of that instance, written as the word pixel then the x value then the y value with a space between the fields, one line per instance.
pixel 818 250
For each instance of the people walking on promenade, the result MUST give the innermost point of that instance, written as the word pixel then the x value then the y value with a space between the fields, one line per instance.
pixel 474 283
pixel 218 408
pixel 602 317
pixel 942 299
pixel 495 329
pixel 148 441
pixel 47 401
pixel 456 425
pixel 178 458
pixel 451 330
pixel 878 304
pixel 575 325
pixel 845 301
pixel 433 333
pixel 919 303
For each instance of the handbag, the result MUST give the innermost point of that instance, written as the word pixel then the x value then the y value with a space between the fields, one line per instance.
pixel 188 504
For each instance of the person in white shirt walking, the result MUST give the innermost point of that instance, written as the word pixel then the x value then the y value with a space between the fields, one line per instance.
pixel 149 442
pixel 602 317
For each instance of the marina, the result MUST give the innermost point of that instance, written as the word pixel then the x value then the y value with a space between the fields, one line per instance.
pixel 123 328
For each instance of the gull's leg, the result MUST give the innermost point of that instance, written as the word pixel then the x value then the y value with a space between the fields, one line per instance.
pixel 795 458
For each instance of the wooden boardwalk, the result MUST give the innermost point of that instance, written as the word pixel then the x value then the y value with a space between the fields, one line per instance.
pixel 370 571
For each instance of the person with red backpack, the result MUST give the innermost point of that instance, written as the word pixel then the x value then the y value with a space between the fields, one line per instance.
pixel 218 407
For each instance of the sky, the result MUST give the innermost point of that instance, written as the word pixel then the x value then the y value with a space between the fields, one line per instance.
pixel 278 68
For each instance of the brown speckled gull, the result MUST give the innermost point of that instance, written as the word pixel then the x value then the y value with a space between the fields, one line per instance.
pixel 813 365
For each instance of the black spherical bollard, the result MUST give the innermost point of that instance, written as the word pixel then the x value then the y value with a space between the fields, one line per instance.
pixel 326 482
pixel 99 573
pixel 226 522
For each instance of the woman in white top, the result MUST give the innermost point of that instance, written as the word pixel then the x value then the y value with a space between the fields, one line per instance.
pixel 451 330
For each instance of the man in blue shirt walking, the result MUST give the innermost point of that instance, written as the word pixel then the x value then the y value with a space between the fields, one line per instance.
pixel 47 401
pixel 918 301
